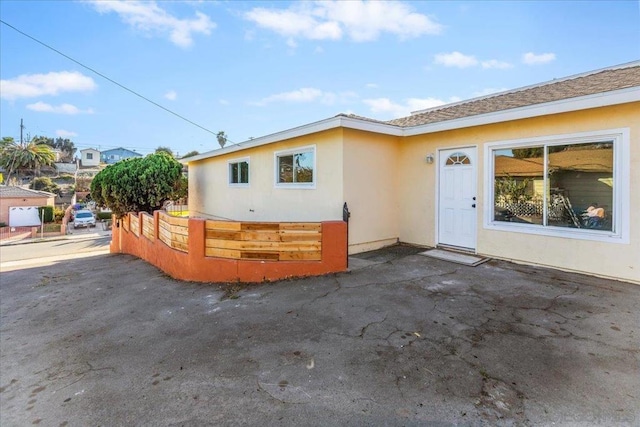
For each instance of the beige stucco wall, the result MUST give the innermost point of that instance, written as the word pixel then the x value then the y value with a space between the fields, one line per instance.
pixel 417 185
pixel 211 196
pixel 371 189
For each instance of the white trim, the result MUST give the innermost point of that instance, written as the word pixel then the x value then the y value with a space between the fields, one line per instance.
pixel 308 129
pixel 239 184
pixel 562 106
pixel 616 97
pixel 621 190
pixel 295 185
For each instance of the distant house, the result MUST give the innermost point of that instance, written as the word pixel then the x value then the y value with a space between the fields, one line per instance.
pixel 509 175
pixel 57 153
pixel 89 157
pixel 117 154
pixel 19 206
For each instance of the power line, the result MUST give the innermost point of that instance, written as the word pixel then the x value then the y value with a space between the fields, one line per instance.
pixel 111 80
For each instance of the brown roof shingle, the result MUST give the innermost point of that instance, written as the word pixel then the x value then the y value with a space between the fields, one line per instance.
pixel 597 82
pixel 11 192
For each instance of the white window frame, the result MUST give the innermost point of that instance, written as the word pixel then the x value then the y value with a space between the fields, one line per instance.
pixel 239 184
pixel 294 151
pixel 621 190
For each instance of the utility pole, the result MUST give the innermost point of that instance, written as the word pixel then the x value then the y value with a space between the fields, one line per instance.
pixel 21 128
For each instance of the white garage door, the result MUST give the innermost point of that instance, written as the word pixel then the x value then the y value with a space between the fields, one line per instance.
pixel 23 216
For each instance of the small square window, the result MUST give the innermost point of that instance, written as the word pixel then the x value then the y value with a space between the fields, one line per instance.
pixel 89 156
pixel 239 172
pixel 296 167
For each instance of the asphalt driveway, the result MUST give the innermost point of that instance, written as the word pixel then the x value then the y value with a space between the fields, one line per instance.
pixel 406 340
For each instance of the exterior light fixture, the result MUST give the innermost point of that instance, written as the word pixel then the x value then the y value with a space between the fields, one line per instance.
pixel 429 158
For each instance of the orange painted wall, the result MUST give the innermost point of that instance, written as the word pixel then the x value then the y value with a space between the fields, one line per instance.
pixel 195 266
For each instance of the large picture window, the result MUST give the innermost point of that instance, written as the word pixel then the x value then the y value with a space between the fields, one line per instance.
pixel 296 167
pixel 559 184
pixel 239 172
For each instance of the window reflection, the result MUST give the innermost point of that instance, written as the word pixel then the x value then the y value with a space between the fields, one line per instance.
pixel 576 191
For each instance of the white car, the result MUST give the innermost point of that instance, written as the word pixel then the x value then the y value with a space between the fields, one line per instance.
pixel 84 218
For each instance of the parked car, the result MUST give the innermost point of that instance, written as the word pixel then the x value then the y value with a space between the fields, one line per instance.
pixel 84 218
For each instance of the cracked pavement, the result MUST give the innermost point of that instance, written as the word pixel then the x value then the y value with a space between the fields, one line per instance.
pixel 404 340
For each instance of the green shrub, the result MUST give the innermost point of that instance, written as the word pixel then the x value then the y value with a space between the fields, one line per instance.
pixel 104 215
pixel 44 183
pixel 67 177
pixel 58 214
pixel 48 213
pixel 51 228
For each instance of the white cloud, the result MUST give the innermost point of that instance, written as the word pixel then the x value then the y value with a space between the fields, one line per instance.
pixel 148 17
pixel 456 59
pixel 65 133
pixel 43 107
pixel 54 83
pixel 387 107
pixel 494 63
pixel 308 94
pixel 330 20
pixel 171 95
pixel 531 58
pixel 371 86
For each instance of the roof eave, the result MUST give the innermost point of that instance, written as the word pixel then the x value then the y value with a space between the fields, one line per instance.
pixel 308 129
pixel 604 99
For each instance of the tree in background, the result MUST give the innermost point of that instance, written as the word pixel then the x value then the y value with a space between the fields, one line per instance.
pixel 66 146
pixel 164 150
pixel 45 184
pixel 190 154
pixel 222 138
pixel 138 184
pixel 27 156
pixel 83 183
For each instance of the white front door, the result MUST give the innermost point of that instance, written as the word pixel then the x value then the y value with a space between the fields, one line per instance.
pixel 457 213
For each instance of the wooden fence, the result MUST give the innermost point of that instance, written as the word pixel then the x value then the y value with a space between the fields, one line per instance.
pixel 134 224
pixel 174 232
pixel 202 250
pixel 148 226
pixel 264 241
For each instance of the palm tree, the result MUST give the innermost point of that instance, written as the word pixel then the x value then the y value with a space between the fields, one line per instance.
pixel 30 155
pixel 222 138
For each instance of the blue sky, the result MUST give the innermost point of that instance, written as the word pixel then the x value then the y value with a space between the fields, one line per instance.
pixel 255 68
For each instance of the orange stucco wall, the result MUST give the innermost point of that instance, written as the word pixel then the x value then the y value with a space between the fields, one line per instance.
pixel 195 266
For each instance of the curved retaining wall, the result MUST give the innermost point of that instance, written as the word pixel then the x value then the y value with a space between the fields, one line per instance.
pixel 189 260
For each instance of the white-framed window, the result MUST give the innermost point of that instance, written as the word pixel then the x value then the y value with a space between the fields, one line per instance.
pixel 572 186
pixel 239 172
pixel 296 168
pixel 89 156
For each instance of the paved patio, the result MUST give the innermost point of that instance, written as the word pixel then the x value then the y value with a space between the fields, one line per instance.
pixel 400 340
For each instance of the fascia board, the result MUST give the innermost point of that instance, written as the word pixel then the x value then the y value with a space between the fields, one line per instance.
pixel 323 125
pixel 621 96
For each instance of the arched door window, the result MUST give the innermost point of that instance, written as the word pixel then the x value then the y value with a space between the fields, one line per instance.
pixel 457 158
